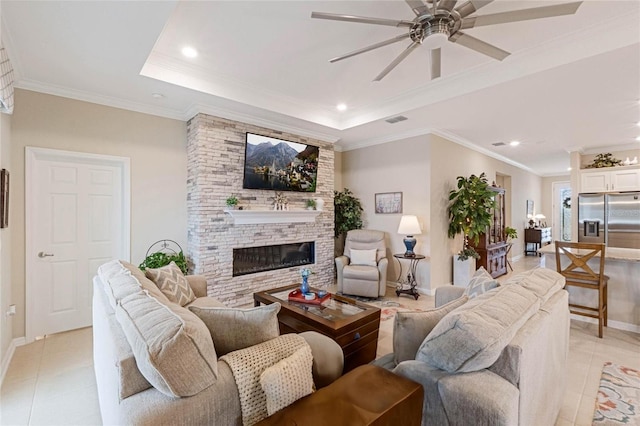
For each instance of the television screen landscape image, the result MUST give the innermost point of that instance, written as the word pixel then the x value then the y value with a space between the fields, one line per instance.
pixel 280 165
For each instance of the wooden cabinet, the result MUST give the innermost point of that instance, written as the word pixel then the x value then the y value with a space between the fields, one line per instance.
pixel 535 238
pixel 620 179
pixel 493 245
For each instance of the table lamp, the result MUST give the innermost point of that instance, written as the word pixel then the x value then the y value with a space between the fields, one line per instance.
pixel 409 226
pixel 539 217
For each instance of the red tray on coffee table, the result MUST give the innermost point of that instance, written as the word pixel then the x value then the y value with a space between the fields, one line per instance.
pixel 297 296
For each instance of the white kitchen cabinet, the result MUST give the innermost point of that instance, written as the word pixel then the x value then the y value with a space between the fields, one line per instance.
pixel 623 179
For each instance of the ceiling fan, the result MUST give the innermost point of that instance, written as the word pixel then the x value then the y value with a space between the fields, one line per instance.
pixel 437 21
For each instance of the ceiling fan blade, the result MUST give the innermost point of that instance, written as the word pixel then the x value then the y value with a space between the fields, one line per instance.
pixel 447 4
pixel 418 6
pixel 471 6
pixel 397 60
pixel 361 19
pixel 479 45
pixel 373 46
pixel 436 66
pixel 522 15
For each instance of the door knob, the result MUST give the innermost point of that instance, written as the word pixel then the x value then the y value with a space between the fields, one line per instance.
pixel 43 254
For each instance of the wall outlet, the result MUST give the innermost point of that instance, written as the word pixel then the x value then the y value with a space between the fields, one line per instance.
pixel 11 311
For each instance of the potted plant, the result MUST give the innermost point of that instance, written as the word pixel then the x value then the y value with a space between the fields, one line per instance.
pixel 232 202
pixel 470 215
pixel 160 259
pixel 348 216
pixel 311 204
pixel 510 233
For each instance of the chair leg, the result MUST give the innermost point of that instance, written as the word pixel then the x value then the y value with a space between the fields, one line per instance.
pixel 606 304
pixel 601 311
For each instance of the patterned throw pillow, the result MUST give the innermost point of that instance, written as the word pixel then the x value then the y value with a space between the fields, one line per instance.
pixel 289 380
pixel 172 283
pixel 480 283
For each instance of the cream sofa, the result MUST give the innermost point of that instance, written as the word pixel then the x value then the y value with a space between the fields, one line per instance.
pixel 190 385
pixel 497 359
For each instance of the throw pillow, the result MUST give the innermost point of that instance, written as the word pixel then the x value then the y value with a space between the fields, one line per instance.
pixel 172 283
pixel 480 283
pixel 410 328
pixel 364 257
pixel 172 347
pixel 472 337
pixel 232 328
pixel 542 281
pixel 289 380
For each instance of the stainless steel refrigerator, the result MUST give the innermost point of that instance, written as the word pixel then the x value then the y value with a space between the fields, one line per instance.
pixel 613 219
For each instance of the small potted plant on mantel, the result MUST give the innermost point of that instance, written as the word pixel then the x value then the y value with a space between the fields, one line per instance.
pixel 470 215
pixel 311 204
pixel 232 202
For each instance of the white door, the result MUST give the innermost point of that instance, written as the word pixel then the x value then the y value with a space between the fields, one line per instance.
pixel 77 212
pixel 562 217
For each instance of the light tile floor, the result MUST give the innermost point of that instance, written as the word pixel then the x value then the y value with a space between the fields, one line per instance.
pixel 51 381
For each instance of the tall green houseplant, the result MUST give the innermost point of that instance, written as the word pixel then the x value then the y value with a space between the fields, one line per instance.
pixel 470 211
pixel 348 212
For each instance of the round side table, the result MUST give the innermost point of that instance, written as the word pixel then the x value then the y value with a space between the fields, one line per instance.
pixel 411 275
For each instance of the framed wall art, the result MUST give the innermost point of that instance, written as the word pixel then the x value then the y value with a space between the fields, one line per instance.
pixel 4 198
pixel 388 202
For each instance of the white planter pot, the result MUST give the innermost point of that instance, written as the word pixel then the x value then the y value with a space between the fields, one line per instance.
pixel 319 204
pixel 463 270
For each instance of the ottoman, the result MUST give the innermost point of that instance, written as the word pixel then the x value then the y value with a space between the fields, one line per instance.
pixel 367 395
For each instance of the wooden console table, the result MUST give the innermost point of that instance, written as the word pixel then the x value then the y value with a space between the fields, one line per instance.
pixel 537 237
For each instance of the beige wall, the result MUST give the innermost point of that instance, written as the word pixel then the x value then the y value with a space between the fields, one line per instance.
pixel 6 333
pixel 400 166
pixel 337 172
pixel 156 147
pixel 425 169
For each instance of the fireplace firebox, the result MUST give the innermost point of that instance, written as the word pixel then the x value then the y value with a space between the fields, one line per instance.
pixel 250 260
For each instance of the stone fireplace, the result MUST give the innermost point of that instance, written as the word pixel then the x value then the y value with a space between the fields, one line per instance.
pixel 215 155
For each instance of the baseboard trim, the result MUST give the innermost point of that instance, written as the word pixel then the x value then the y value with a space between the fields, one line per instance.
pixel 618 325
pixel 6 360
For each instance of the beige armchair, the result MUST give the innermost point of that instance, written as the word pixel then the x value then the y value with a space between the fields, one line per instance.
pixel 362 270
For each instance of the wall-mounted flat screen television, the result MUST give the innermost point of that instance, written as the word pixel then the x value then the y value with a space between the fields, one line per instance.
pixel 280 165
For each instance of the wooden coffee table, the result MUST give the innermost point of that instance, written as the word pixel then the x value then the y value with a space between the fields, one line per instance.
pixel 353 325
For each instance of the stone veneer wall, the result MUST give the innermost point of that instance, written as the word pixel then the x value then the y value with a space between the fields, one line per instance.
pixel 215 169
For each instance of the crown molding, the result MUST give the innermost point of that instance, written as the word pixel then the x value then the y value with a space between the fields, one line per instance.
pixel 95 98
pixel 170 70
pixel 196 109
pixel 441 133
pixel 468 144
pixel 608 148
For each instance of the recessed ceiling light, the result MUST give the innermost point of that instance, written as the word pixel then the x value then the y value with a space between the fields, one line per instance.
pixel 514 143
pixel 638 123
pixel 638 138
pixel 341 107
pixel 157 95
pixel 189 52
pixel 568 169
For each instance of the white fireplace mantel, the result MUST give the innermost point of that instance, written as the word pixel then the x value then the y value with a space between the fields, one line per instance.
pixel 252 217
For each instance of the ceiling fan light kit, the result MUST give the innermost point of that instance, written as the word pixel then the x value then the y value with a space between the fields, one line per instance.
pixel 439 21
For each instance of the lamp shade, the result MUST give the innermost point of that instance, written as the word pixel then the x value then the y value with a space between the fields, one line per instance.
pixel 409 225
pixel 539 216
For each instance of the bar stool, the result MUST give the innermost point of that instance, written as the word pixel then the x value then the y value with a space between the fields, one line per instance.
pixel 579 274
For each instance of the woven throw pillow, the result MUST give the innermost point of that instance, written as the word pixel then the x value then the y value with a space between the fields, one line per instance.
pixel 480 283
pixel 363 257
pixel 172 283
pixel 410 328
pixel 289 380
pixel 232 328
pixel 472 337
pixel 172 347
